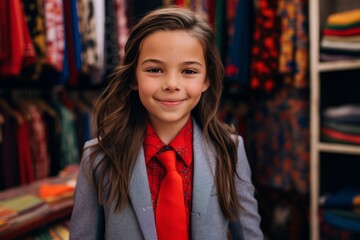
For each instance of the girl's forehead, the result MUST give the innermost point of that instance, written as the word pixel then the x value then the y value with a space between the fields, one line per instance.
pixel 171 47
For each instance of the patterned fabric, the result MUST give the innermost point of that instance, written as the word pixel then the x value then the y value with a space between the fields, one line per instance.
pixel 96 74
pixel 278 51
pixel 54 28
pixel 280 130
pixel 265 53
pixel 294 42
pixel 34 12
pixel 112 57
pixel 287 10
pixel 88 33
pixel 182 144
pixel 122 28
pixel 38 140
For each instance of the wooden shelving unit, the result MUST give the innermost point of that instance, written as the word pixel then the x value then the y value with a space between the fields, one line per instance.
pixel 56 211
pixel 318 11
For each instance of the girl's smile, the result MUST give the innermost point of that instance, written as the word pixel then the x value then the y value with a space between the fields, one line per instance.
pixel 170 102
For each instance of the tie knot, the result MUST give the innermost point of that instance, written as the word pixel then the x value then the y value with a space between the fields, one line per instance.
pixel 168 160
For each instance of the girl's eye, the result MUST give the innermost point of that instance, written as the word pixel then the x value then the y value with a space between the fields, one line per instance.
pixel 154 70
pixel 189 71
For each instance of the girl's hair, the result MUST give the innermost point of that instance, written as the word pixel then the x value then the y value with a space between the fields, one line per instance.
pixel 121 117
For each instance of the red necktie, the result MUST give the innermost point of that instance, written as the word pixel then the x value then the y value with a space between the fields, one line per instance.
pixel 170 208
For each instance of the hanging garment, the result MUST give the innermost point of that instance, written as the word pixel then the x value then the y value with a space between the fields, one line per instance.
pixel 73 41
pixel 87 26
pixel 34 12
pixel 9 159
pixel 112 58
pixel 238 63
pixel 294 42
pixel 264 72
pixel 54 33
pixel 122 28
pixel 17 46
pixel 280 132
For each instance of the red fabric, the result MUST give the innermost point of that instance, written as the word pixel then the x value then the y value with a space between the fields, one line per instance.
pixel 211 11
pixel 170 210
pixel 38 136
pixel 25 160
pixel 182 144
pixel 341 136
pixel 47 190
pixel 4 50
pixel 15 40
pixel 180 3
pixel 54 25
pixel 346 32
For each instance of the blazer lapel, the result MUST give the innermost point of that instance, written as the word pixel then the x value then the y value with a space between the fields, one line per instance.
pixel 141 199
pixel 204 173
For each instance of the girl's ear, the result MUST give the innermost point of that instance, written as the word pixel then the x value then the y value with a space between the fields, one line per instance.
pixel 206 85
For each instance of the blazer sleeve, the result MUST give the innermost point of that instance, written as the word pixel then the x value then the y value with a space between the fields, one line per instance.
pixel 249 217
pixel 87 219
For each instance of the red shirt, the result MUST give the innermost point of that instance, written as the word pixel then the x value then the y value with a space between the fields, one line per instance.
pixel 182 144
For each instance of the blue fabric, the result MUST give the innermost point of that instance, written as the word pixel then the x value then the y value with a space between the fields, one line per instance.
pixel 342 198
pixel 342 222
pixel 238 65
pixel 76 35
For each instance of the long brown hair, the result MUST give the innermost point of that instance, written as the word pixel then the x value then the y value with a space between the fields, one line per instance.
pixel 120 116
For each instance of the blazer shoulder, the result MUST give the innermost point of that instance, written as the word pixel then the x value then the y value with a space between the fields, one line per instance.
pixel 237 138
pixel 88 149
pixel 91 143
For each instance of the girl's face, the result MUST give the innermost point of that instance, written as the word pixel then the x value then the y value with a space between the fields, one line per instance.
pixel 171 76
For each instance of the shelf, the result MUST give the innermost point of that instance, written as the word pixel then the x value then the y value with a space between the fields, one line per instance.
pixel 319 11
pixel 56 211
pixel 339 148
pixel 339 65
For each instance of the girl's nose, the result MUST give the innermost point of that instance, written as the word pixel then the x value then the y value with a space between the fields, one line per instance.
pixel 171 82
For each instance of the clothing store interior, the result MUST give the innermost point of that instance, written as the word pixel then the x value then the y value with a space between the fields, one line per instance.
pixel 291 89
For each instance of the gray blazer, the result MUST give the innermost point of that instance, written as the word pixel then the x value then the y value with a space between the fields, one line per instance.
pixel 136 221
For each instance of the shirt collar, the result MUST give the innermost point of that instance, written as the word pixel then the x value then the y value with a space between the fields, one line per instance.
pixel 182 143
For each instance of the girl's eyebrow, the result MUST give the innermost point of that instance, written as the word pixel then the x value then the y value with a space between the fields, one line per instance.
pixel 192 62
pixel 152 60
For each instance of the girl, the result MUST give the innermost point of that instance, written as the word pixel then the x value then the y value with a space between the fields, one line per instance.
pixel 165 96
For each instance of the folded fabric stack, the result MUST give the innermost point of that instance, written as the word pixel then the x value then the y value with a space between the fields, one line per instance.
pixel 341 36
pixel 341 124
pixel 19 209
pixel 340 214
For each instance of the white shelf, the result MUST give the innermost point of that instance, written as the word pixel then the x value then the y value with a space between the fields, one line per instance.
pixel 339 148
pixel 339 65
pixel 318 12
